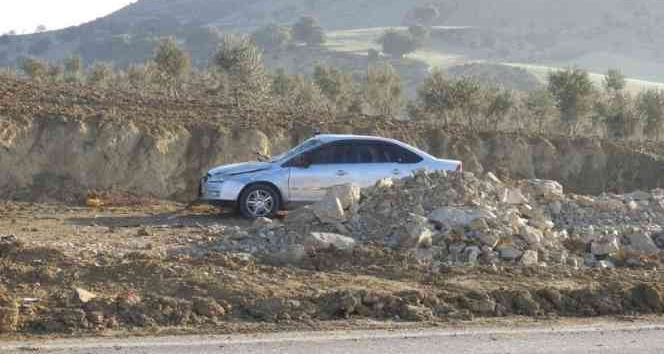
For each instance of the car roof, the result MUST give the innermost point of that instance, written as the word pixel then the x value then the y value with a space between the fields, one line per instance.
pixel 335 137
pixel 326 138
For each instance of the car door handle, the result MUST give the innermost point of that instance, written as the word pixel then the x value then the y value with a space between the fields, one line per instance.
pixel 396 172
pixel 341 173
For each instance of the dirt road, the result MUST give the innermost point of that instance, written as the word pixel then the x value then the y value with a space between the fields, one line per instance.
pixel 606 339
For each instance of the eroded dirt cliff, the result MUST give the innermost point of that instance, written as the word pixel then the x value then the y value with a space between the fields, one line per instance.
pixel 59 142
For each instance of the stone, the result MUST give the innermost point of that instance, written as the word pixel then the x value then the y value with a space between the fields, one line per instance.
pixel 207 307
pixel 453 216
pixel 632 205
pixel 643 243
pixel 143 232
pixel 323 240
pixel 418 233
pixel 415 313
pixel 261 223
pixel 589 259
pixel 531 235
pixel 385 183
pixel 556 207
pixel 83 295
pixel 483 306
pixel 609 205
pixel 293 254
pixel 472 254
pixel 529 258
pixel 348 195
pixel 638 196
pixel 541 223
pixel 547 190
pixel 514 196
pixel 493 178
pixel 479 224
pixel 604 264
pixel 487 239
pixel 329 209
pixel 585 201
pixel 508 252
pixel 605 246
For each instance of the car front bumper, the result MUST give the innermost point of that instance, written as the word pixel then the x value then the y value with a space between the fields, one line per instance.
pixel 227 191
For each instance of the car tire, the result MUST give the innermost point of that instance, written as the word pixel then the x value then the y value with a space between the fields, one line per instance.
pixel 259 201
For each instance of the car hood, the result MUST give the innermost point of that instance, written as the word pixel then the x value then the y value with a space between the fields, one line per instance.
pixel 239 168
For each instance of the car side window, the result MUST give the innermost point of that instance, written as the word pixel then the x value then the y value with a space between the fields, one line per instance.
pixel 371 152
pixel 403 155
pixel 333 153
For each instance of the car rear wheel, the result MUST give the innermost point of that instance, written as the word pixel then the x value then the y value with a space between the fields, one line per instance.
pixel 259 201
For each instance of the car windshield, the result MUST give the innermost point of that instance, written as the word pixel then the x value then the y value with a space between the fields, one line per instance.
pixel 306 145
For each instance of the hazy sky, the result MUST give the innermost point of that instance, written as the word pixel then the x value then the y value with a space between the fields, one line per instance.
pixel 26 15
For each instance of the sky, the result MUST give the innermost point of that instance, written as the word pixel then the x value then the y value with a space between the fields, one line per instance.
pixel 26 15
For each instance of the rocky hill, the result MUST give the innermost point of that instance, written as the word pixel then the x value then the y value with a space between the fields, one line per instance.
pixel 511 30
pixel 59 142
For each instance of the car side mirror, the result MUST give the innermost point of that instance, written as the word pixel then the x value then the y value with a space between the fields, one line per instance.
pixel 302 161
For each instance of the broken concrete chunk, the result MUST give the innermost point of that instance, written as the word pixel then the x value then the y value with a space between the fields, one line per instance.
pixel 643 243
pixel 329 209
pixel 453 216
pixel 324 240
pixel 513 196
pixel 529 258
pixel 347 194
pixel 83 295
pixel 605 247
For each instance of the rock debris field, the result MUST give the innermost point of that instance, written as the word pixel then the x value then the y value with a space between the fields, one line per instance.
pixel 456 219
pixel 431 248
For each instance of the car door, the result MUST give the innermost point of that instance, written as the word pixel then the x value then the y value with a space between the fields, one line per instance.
pixel 373 161
pixel 405 161
pixel 327 166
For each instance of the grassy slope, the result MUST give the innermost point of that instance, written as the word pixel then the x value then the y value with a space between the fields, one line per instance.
pixel 358 41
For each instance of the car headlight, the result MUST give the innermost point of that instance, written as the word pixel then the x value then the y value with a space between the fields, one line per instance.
pixel 216 179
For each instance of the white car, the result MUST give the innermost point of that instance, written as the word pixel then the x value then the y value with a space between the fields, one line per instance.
pixel 305 173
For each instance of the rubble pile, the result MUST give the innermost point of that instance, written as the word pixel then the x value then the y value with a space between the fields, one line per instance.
pixel 450 218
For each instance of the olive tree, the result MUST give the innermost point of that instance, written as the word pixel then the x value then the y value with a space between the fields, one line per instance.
pixel 382 90
pixel 572 91
pixel 273 37
pixel 309 31
pixel 172 64
pixel 239 58
pixel 397 44
pixel 34 68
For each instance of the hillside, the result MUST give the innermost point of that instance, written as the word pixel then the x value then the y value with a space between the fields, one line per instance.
pixel 58 142
pixel 559 33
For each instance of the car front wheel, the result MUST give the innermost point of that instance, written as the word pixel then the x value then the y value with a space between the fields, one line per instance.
pixel 259 201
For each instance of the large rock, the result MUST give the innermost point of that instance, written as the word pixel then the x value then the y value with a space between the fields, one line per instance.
pixel 509 252
pixel 324 240
pixel 83 295
pixel 642 242
pixel 605 247
pixel 547 190
pixel 531 235
pixel 513 196
pixel 454 216
pixel 529 258
pixel 348 194
pixel 329 209
pixel 418 233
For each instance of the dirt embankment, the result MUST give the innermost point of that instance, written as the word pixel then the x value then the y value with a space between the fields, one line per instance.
pixel 60 142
